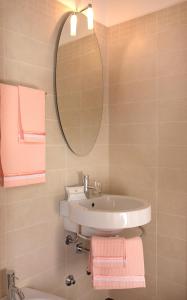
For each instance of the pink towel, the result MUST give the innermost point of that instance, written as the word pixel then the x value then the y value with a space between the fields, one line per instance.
pixel 117 263
pixel 21 163
pixel 31 113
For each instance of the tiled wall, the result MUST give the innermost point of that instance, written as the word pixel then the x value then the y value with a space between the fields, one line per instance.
pixel 148 146
pixel 148 140
pixel 31 231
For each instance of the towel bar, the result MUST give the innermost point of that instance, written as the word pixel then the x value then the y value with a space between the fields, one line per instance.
pixel 79 247
pixel 142 233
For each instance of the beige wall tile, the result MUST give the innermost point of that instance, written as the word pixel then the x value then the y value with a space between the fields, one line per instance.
pixel 172 269
pixel 169 290
pixel 23 213
pixel 132 179
pixel 3 196
pixel 138 68
pixel 173 180
pixel 2 70
pixel 172 62
pixel 173 157
pixel 35 262
pixel 2 41
pixel 51 112
pixel 13 17
pixel 136 294
pixel 133 112
pixel 56 157
pixel 56 180
pixel 20 193
pixel 133 155
pixel 172 87
pixel 29 51
pixel 172 38
pixel 136 45
pixel 2 285
pixel 173 134
pixel 172 226
pixel 48 281
pixel 54 135
pixel 2 220
pixel 173 202
pixel 149 243
pixel 28 74
pixel 133 134
pixel 173 111
pixel 135 91
pixel 179 247
pixel 103 135
pixel 26 240
pixel 3 253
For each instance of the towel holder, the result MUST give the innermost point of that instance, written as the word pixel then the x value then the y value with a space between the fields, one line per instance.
pixel 80 235
pixel 79 248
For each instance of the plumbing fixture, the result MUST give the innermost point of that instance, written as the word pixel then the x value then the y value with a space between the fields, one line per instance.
pixel 71 239
pixel 70 280
pixel 87 186
pixel 88 272
pixel 81 249
pixel 12 289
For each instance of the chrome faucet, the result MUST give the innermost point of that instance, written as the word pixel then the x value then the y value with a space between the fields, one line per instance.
pixel 12 289
pixel 87 186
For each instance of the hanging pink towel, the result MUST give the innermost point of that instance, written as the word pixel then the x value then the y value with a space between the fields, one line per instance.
pixel 117 263
pixel 31 110
pixel 20 163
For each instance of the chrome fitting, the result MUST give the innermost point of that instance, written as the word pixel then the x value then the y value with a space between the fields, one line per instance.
pixel 70 280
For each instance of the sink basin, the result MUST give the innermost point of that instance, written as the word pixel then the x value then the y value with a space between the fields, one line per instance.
pixel 110 212
pixel 32 294
pixel 103 215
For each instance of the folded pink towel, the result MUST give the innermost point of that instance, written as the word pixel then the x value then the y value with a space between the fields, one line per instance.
pixel 117 263
pixel 31 113
pixel 21 163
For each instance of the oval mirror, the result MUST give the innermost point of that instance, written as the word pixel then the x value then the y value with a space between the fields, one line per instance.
pixel 79 86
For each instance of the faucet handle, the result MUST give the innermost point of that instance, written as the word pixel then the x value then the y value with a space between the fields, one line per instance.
pixel 11 277
pixel 98 186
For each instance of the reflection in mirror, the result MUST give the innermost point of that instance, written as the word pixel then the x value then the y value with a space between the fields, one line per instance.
pixel 79 86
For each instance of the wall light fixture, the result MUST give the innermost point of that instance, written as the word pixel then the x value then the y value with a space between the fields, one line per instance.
pixel 90 19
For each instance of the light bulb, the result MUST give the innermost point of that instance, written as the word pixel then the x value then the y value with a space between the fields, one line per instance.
pixel 90 17
pixel 73 25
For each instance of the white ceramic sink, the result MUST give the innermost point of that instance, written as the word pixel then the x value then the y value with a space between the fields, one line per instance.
pixel 110 212
pixel 32 294
pixel 106 214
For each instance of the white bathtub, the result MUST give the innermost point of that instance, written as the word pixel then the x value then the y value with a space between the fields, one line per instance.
pixel 31 294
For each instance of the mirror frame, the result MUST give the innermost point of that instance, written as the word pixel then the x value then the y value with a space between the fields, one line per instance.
pixel 63 21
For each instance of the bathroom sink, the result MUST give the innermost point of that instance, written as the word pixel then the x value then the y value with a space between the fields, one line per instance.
pixel 110 212
pixel 102 215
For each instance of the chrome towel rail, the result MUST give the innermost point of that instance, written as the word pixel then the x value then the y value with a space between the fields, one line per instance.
pixel 80 235
pixel 79 248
